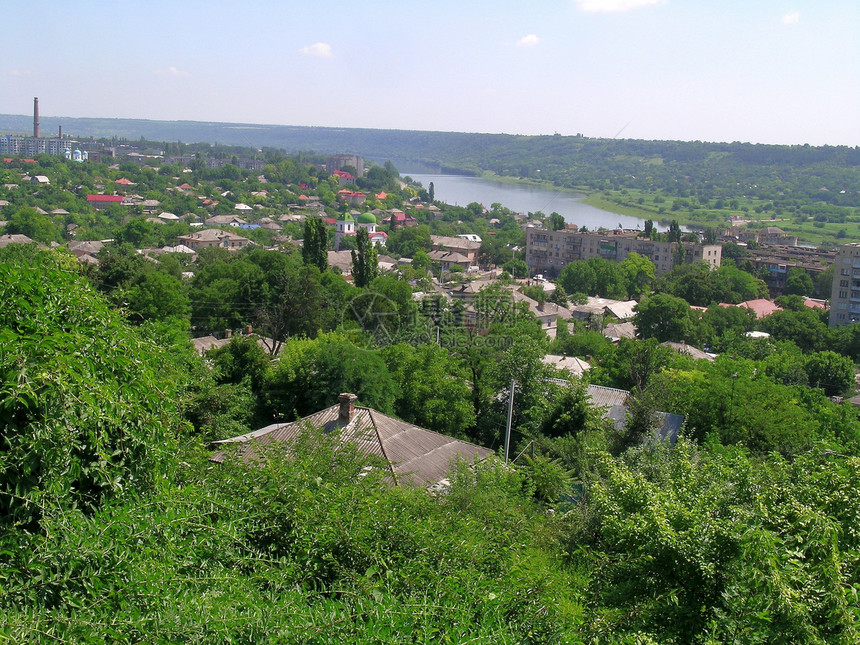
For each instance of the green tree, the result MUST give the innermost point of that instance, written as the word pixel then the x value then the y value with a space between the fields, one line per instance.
pixel 157 296
pixel 664 317
pixel 30 222
pixel 433 390
pixel 798 283
pixel 315 243
pixel 639 272
pixel 578 277
pixel 517 268
pixel 831 372
pixel 556 222
pixel 365 260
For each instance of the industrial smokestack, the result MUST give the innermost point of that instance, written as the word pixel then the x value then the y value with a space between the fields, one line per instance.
pixel 61 132
pixel 36 117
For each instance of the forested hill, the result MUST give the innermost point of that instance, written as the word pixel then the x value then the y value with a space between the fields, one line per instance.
pixel 566 160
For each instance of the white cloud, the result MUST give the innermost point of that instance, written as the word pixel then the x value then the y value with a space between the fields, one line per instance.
pixel 614 5
pixel 173 71
pixel 791 18
pixel 320 50
pixel 528 41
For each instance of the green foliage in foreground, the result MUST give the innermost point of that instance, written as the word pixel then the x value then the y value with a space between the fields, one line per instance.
pixel 310 548
pixel 85 410
pixel 115 531
pixel 691 546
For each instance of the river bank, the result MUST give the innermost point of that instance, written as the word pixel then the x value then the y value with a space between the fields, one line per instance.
pixel 522 197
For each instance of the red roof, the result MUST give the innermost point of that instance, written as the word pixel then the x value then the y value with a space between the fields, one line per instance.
pixel 761 307
pixel 123 181
pixel 343 173
pixel 104 198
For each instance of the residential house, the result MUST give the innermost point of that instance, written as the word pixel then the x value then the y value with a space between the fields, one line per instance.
pixel 397 217
pixel 616 331
pixel 14 238
pixel 344 178
pixel 101 202
pixel 225 220
pixel 576 366
pixel 598 308
pixel 341 260
pixel 467 248
pixel 689 350
pixel 613 403
pixel 447 259
pixel 213 237
pixel 410 455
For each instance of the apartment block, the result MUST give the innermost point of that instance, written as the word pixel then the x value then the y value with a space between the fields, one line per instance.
pixel 31 146
pixel 549 251
pixel 845 296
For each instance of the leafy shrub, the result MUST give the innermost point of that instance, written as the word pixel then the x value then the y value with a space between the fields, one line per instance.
pixel 83 410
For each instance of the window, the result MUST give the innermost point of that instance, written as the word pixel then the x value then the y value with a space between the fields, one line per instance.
pixel 843 283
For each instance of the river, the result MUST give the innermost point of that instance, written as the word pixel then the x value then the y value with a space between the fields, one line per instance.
pixel 459 190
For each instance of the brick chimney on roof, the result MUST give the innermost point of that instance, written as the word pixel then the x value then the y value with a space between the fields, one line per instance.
pixel 347 407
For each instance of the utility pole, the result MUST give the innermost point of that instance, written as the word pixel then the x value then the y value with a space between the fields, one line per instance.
pixel 510 417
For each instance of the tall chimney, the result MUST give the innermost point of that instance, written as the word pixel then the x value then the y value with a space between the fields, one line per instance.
pixel 36 117
pixel 347 407
pixel 61 133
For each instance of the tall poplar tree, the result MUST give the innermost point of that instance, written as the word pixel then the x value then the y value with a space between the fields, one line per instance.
pixel 365 260
pixel 315 244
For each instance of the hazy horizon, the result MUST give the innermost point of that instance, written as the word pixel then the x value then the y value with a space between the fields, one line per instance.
pixel 777 72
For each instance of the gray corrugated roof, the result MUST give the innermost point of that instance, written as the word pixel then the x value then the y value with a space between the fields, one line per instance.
pixel 414 454
pixel 606 397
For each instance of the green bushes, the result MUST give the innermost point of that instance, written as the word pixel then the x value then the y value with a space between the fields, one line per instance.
pixel 308 546
pixel 83 409
pixel 715 546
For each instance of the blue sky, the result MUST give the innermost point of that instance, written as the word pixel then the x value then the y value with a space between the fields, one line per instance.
pixel 771 71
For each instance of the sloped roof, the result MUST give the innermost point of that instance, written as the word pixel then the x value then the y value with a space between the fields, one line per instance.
pixel 622 310
pixel 14 238
pixel 620 330
pixel 413 454
pixel 689 350
pixel 606 397
pixel 760 307
pixel 89 247
pixel 572 364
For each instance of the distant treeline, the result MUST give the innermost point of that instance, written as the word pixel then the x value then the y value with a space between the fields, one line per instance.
pixel 712 170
